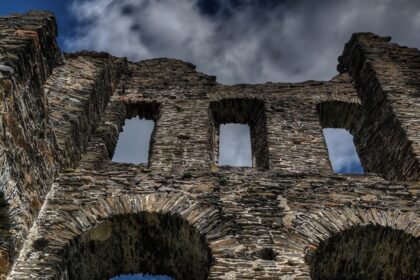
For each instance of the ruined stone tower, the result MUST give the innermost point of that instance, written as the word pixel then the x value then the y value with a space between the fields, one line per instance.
pixel 68 212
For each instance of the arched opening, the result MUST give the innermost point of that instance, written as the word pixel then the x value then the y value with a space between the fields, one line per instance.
pixel 147 243
pixel 367 252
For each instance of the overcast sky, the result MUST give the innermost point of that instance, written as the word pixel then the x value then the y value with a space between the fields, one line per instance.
pixel 239 41
pixel 245 41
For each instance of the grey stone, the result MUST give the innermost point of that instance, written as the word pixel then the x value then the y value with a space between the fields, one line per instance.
pixel 68 212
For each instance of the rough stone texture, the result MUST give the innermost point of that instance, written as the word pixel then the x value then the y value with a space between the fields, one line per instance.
pixel 39 134
pixel 28 53
pixel 287 217
pixel 387 79
pixel 77 94
pixel 157 244
pixel 381 247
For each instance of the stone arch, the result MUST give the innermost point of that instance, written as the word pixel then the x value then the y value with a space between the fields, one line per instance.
pixel 169 231
pixel 92 225
pixel 145 242
pixel 367 252
pixel 325 237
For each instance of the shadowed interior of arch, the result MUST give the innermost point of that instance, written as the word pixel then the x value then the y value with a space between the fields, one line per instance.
pixel 367 252
pixel 5 233
pixel 144 243
pixel 4 209
pixel 142 277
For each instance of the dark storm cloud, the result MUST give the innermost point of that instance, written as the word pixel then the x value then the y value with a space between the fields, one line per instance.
pixel 209 7
pixel 242 41
pixel 230 7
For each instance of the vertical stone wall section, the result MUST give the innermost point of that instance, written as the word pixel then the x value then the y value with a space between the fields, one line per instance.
pixel 49 108
pixel 78 93
pixel 386 78
pixel 28 54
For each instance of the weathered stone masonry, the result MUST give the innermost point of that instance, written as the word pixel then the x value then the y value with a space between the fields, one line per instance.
pixel 68 212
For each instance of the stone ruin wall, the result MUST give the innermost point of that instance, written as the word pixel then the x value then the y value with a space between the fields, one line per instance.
pixel 68 212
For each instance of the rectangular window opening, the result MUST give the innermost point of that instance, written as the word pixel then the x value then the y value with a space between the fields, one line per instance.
pixel 136 137
pixel 238 133
pixel 342 151
pixel 235 145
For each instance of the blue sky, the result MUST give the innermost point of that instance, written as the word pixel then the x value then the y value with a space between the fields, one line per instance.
pixel 66 20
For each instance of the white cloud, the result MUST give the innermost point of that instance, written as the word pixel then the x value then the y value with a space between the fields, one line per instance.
pixel 283 41
pixel 289 42
pixel 231 48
